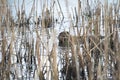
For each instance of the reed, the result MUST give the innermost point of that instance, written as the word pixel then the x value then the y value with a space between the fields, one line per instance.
pixel 87 50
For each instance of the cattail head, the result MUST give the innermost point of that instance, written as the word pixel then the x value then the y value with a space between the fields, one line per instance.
pixel 47 19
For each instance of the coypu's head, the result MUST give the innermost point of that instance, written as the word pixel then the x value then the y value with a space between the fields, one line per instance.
pixel 64 39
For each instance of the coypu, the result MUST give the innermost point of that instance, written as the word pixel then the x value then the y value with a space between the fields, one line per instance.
pixel 47 19
pixel 64 39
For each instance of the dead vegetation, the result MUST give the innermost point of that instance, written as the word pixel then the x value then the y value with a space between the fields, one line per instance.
pixel 29 50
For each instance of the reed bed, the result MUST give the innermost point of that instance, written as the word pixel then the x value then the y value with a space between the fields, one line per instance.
pixel 32 47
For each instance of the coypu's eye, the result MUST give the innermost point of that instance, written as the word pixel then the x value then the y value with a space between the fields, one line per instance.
pixel 67 32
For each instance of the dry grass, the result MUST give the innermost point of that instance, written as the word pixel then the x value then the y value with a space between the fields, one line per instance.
pixel 29 44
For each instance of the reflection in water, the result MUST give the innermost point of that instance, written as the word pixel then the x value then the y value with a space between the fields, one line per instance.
pixel 23 70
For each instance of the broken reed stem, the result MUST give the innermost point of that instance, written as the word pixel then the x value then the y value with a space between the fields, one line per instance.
pixel 60 9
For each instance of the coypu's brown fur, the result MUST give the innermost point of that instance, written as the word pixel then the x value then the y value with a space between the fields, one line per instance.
pixel 64 39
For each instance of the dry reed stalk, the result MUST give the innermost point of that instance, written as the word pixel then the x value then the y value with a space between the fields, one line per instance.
pixel 4 46
pixel 89 65
pixel 79 9
pixel 80 59
pixel 99 72
pixel 75 59
pixel 3 7
pixel 6 50
pixel 81 62
pixel 107 40
pixel 102 41
pixel 96 27
pixel 118 50
pixel 96 53
pixel 9 60
pixel 10 52
pixel 77 19
pixel 32 9
pixel 66 65
pixel 94 42
pixel 3 12
pixel 60 9
pixel 54 63
pixel 38 56
pixel 116 61
pixel 87 59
